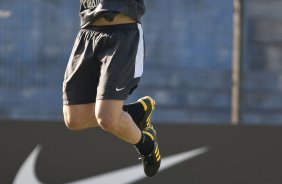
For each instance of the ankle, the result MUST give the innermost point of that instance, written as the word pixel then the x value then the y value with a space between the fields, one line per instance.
pixel 145 146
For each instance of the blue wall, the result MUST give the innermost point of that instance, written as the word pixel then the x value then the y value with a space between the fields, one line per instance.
pixel 188 58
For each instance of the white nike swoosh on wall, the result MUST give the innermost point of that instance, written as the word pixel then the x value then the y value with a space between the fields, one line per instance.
pixel 26 173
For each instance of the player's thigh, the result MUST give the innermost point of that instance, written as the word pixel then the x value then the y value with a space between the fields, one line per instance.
pixel 83 71
pixel 122 63
pixel 80 115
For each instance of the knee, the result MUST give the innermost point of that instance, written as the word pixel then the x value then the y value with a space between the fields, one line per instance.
pixel 73 125
pixel 79 117
pixel 107 121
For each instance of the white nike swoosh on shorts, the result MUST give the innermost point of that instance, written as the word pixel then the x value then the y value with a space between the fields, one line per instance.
pixel 120 89
pixel 26 173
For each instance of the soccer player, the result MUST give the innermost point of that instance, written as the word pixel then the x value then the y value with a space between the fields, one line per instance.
pixel 104 68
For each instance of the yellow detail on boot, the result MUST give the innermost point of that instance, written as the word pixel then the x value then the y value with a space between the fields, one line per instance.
pixel 149 134
pixel 143 104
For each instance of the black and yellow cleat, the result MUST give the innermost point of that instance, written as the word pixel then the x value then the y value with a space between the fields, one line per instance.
pixel 151 162
pixel 149 106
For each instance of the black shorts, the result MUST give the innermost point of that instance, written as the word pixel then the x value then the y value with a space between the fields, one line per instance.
pixel 106 63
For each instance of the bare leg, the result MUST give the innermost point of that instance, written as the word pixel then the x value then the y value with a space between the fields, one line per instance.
pixel 109 115
pixel 113 119
pixel 79 117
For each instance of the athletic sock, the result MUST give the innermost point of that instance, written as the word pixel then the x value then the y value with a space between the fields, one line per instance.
pixel 135 110
pixel 145 146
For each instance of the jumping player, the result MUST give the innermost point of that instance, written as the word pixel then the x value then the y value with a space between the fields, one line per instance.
pixel 104 68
